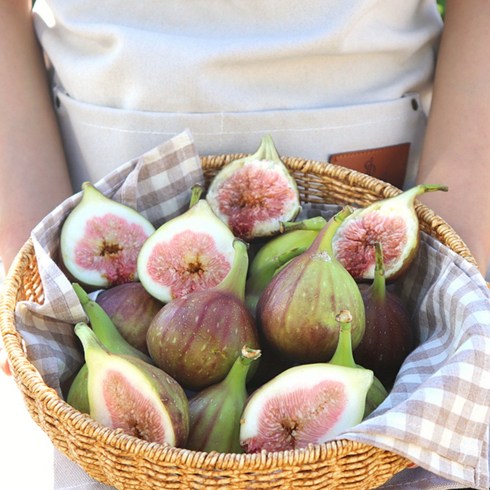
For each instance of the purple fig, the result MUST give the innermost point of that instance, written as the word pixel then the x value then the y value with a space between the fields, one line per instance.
pixel 389 336
pixel 101 239
pixel 131 308
pixel 307 404
pixel 197 338
pixel 254 194
pixel 297 309
pixel 216 410
pixel 392 222
pixel 127 393
pixel 191 252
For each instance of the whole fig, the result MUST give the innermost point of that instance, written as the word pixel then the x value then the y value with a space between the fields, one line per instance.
pixel 196 338
pixel 389 335
pixel 297 310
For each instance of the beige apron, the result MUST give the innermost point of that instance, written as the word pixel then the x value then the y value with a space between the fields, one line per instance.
pixel 328 79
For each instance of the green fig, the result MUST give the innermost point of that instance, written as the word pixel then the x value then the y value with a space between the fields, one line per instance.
pixel 392 222
pixel 254 194
pixel 129 394
pixel 216 410
pixel 296 311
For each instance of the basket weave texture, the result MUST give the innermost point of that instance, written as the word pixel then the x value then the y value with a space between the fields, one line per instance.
pixel 125 462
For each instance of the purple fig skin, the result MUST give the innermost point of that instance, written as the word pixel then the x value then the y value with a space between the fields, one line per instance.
pixel 388 337
pixel 197 338
pixel 131 309
pixel 297 310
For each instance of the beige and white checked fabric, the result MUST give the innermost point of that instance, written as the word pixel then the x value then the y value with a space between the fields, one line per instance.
pixel 438 412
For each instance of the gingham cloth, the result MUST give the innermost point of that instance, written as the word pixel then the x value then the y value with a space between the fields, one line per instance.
pixel 438 412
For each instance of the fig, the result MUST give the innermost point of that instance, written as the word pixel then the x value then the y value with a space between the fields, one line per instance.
pixel 197 338
pixel 131 309
pixel 307 404
pixel 215 411
pixel 191 252
pixel 104 327
pixel 392 222
pixel 296 311
pixel 101 239
pixel 389 335
pixel 254 194
pixel 109 336
pixel 134 396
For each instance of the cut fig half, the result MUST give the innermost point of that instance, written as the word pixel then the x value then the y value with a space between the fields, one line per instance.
pixel 254 194
pixel 191 252
pixel 391 222
pixel 100 240
pixel 128 394
pixel 308 404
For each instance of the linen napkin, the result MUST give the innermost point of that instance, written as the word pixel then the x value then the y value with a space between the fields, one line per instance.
pixel 438 411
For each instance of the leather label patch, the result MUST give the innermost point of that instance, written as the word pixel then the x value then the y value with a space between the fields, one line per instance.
pixel 388 163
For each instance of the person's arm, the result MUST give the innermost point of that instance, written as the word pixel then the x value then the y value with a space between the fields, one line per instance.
pixel 457 146
pixel 33 173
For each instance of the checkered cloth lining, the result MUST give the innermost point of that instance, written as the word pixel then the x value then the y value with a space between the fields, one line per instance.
pixel 438 412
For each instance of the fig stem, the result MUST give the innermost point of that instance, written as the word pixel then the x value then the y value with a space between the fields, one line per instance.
pixel 316 224
pixel 268 148
pixel 379 281
pixel 257 282
pixel 327 233
pixel 196 193
pixel 410 194
pixel 234 282
pixel 343 353
pixel 239 370
pixel 90 342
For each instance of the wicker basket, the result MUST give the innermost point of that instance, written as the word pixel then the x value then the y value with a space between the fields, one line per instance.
pixel 125 462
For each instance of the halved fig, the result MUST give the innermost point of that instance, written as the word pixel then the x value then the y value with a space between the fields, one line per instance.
pixel 129 394
pixel 392 222
pixel 100 240
pixel 191 252
pixel 303 405
pixel 254 194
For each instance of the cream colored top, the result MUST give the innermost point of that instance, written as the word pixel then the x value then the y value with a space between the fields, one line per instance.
pixel 128 75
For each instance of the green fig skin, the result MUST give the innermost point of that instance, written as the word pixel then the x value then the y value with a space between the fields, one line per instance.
pixel 274 254
pixel 297 310
pixel 162 401
pixel 197 338
pixel 77 395
pixel 215 411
